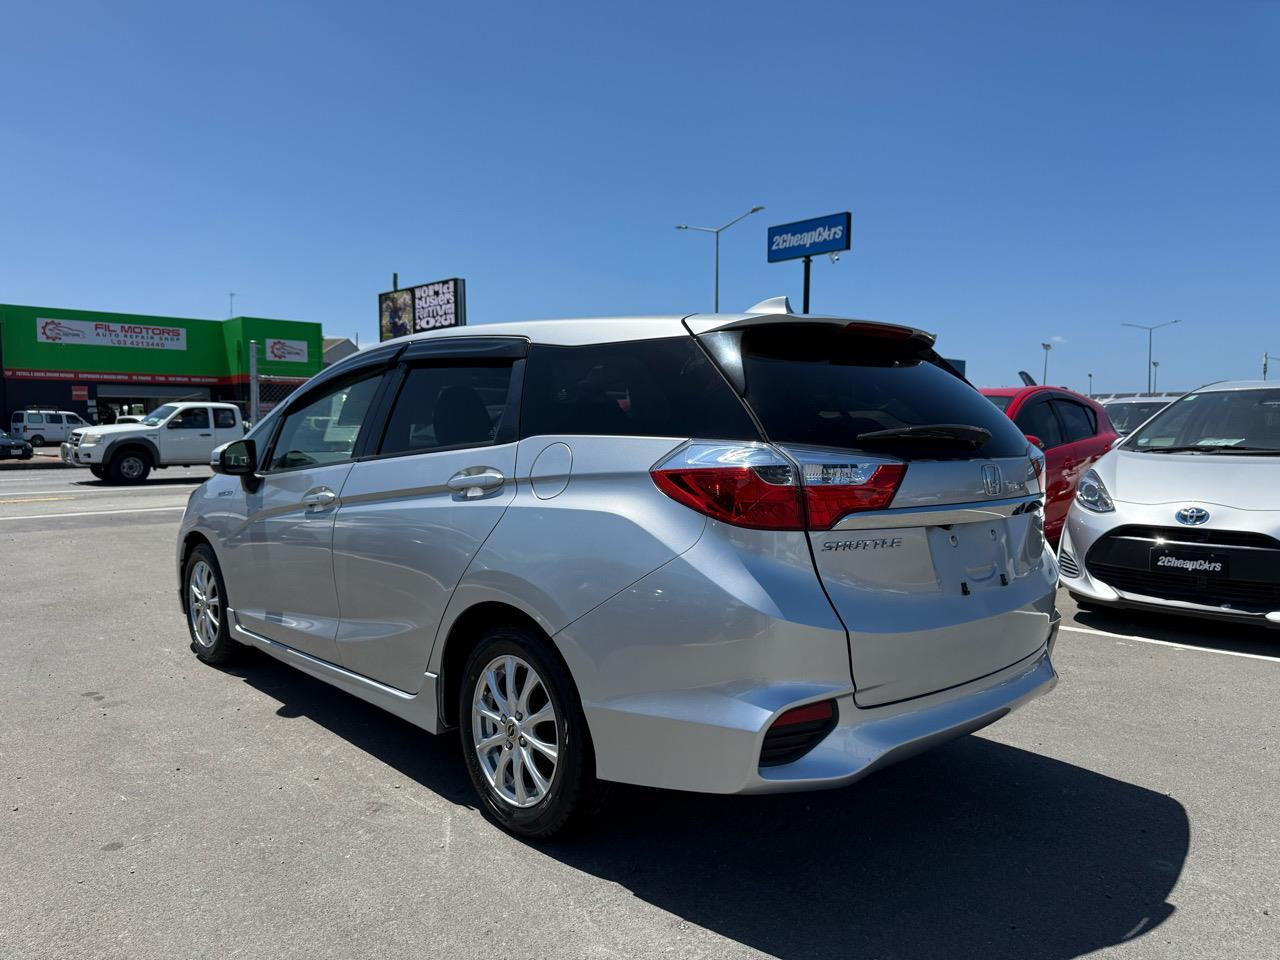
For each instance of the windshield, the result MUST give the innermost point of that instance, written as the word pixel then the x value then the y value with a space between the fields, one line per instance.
pixel 159 415
pixel 1126 417
pixel 1243 420
pixel 834 387
pixel 1002 403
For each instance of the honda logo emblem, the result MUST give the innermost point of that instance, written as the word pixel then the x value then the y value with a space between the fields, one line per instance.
pixel 992 481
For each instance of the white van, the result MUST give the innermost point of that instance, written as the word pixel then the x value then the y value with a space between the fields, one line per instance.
pixel 39 427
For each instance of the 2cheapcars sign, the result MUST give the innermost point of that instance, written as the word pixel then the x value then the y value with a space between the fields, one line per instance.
pixel 808 238
pixel 98 334
pixel 427 306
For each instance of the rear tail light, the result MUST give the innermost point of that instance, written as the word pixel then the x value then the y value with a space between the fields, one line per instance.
pixel 753 485
pixel 796 732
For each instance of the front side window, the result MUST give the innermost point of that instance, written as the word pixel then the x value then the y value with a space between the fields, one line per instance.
pixel 1037 419
pixel 1247 421
pixel 194 418
pixel 325 427
pixel 654 388
pixel 223 418
pixel 1078 420
pixel 73 419
pixel 448 406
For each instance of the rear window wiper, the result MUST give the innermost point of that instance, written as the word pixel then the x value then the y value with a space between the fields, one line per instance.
pixel 954 434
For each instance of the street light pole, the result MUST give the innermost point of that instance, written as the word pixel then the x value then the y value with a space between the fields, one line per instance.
pixel 1150 328
pixel 1155 375
pixel 1044 380
pixel 717 231
pixel 1091 386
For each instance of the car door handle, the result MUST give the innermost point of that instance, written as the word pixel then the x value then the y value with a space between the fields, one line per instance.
pixel 206 434
pixel 319 498
pixel 475 481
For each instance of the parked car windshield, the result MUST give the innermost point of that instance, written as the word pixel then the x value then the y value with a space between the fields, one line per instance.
pixel 1126 417
pixel 831 386
pixel 1002 403
pixel 1244 421
pixel 159 415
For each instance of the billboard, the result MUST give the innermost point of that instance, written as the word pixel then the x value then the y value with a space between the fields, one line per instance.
pixel 808 238
pixel 427 306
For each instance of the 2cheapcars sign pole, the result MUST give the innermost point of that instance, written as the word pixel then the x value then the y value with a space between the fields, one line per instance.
pixel 805 239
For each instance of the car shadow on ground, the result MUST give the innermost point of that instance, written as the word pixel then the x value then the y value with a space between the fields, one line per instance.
pixel 149 482
pixel 1190 631
pixel 974 850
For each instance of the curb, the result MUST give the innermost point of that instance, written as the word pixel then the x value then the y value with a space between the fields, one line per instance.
pixel 36 463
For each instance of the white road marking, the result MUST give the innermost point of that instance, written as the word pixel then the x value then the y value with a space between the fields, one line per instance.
pixel 1176 646
pixel 93 513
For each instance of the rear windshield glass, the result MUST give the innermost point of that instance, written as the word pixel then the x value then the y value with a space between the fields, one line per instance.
pixel 829 386
pixel 655 388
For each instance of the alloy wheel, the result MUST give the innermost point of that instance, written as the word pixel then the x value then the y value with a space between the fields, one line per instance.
pixel 514 731
pixel 204 606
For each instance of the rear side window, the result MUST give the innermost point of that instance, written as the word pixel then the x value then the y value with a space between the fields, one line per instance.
pixel 446 407
pixel 1038 420
pixel 828 385
pixel 1079 420
pixel 656 388
pixel 35 418
pixel 55 418
pixel 223 418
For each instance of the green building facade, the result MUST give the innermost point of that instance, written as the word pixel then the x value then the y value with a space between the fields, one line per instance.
pixel 103 364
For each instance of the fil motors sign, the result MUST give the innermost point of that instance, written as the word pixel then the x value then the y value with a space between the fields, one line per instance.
pixel 428 306
pixel 286 351
pixel 808 238
pixel 91 333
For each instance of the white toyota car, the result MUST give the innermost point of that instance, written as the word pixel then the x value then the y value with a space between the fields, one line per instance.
pixel 1184 514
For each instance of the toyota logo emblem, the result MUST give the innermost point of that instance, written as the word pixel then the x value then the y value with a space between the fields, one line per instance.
pixel 1192 516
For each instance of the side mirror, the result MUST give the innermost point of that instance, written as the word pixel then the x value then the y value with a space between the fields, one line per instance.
pixel 175 424
pixel 239 458
pixel 1034 440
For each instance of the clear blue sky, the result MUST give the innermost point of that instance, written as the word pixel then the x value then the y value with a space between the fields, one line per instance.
pixel 1016 171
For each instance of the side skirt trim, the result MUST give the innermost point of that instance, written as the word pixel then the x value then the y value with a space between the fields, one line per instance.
pixel 418 709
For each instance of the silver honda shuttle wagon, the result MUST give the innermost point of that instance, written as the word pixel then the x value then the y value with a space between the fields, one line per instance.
pixel 721 553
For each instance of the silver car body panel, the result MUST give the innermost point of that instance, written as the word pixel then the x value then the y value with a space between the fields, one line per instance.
pixel 686 637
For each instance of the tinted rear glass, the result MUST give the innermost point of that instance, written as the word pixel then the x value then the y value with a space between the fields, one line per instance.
pixel 827 385
pixel 656 388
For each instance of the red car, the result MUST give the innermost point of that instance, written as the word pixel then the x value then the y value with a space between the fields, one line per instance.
pixel 1072 430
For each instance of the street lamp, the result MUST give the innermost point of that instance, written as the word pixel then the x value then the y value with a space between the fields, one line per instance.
pixel 1149 329
pixel 1091 385
pixel 717 231
pixel 1047 347
pixel 1155 375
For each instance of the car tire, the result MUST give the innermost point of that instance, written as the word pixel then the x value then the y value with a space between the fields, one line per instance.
pixel 204 598
pixel 129 466
pixel 36 441
pixel 523 789
pixel 98 471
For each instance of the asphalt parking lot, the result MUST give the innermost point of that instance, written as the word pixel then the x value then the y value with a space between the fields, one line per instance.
pixel 155 807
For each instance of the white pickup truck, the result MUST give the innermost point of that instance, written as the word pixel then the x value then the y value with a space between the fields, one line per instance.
pixel 176 434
